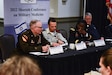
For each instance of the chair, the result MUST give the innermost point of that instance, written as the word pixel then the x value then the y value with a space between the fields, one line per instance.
pixel 64 33
pixel 7 45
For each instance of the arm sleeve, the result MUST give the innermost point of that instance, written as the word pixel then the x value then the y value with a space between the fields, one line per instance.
pixel 45 35
pixel 62 38
pixel 24 46
pixel 50 39
pixel 44 41
pixel 93 31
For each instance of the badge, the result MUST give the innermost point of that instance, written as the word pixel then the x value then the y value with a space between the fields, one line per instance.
pixel 32 41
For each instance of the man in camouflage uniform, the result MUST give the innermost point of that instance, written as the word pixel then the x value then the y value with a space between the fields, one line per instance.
pixel 32 40
pixel 91 27
pixel 52 35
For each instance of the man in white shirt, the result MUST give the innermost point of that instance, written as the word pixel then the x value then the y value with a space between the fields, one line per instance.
pixel 52 35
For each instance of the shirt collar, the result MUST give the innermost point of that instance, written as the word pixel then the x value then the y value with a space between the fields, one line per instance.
pixel 48 31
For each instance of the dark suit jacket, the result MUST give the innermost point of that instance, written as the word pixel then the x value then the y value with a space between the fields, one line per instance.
pixel 27 42
pixel 93 31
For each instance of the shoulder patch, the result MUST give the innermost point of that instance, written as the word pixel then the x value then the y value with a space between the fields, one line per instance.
pixel 24 38
pixel 72 29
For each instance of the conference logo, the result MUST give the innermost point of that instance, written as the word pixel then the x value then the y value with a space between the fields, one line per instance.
pixel 28 1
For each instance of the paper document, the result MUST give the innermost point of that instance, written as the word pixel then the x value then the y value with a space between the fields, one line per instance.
pixel 99 42
pixel 80 46
pixel 64 44
pixel 92 73
pixel 39 53
pixel 108 39
pixel 56 50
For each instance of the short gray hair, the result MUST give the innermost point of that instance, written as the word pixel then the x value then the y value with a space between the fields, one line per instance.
pixel 33 22
pixel 88 14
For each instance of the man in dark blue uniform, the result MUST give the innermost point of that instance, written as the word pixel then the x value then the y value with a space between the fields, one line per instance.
pixel 91 28
pixel 32 40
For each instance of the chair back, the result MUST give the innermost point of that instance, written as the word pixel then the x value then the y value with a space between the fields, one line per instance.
pixel 63 32
pixel 7 45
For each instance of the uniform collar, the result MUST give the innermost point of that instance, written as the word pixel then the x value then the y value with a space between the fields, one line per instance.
pixel 48 31
pixel 32 35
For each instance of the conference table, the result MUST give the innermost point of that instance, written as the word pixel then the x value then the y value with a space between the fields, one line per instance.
pixel 71 62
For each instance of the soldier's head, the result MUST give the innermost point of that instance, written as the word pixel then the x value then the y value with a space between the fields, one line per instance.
pixel 81 25
pixel 36 26
pixel 52 24
pixel 88 18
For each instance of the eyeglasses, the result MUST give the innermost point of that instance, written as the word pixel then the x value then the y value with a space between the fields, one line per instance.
pixel 36 27
pixel 39 27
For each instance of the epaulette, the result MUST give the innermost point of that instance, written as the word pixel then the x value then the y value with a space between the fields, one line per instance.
pixel 76 41
pixel 72 29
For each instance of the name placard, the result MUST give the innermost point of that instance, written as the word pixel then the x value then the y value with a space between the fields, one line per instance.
pixel 99 43
pixel 80 46
pixel 56 50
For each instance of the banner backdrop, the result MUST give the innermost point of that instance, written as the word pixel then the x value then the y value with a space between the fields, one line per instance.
pixel 18 14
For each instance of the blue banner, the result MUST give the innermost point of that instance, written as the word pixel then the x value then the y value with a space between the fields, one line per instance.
pixel 18 12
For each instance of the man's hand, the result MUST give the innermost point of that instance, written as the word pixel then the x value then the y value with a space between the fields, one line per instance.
pixel 55 44
pixel 45 48
pixel 60 42
pixel 82 31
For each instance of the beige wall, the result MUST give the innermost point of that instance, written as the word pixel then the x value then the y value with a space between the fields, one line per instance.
pixel 1 9
pixel 53 8
pixel 70 8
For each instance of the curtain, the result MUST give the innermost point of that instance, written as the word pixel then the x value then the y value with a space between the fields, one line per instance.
pixel 99 12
